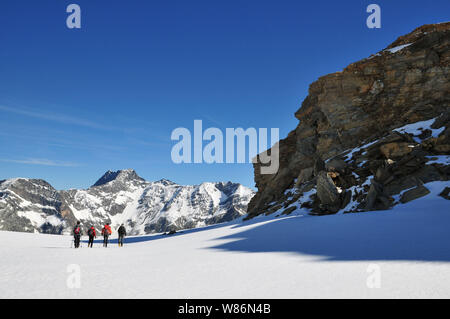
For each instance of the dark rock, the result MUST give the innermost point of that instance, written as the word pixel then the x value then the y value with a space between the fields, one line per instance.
pixel 414 193
pixel 319 166
pixel 326 190
pixel 305 175
pixel 375 190
pixel 445 193
pixel 337 165
pixel 425 134
pixel 441 120
pixel 383 175
pixel 401 184
pixel 428 174
pixel 289 210
pixel 306 187
pixel 395 150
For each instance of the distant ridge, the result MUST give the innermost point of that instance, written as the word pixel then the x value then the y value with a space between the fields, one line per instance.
pixel 33 205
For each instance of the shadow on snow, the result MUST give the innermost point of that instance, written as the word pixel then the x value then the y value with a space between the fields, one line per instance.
pixel 145 238
pixel 387 235
pixel 418 232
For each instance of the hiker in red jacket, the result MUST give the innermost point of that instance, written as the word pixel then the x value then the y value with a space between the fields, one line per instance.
pixel 77 234
pixel 106 231
pixel 92 235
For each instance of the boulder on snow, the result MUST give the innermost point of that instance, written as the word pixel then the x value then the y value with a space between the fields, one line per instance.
pixel 376 198
pixel 374 191
pixel 414 193
pixel 445 193
pixel 326 190
pixel 327 193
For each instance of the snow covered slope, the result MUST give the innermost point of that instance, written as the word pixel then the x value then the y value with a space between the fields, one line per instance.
pixel 119 197
pixel 401 253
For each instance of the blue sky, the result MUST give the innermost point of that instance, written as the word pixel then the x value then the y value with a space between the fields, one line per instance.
pixel 76 103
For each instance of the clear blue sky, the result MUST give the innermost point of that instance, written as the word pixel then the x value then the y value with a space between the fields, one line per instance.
pixel 76 103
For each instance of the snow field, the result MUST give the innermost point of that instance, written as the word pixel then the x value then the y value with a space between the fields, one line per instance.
pixel 405 250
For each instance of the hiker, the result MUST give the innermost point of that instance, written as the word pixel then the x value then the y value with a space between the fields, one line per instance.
pixel 92 235
pixel 122 233
pixel 77 234
pixel 106 231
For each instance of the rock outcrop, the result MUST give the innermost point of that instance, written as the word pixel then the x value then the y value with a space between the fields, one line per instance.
pixel 374 133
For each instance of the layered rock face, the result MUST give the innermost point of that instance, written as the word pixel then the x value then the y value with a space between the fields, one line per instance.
pixel 144 207
pixel 353 149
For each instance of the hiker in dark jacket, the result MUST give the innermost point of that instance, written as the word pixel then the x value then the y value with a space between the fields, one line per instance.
pixel 92 235
pixel 77 234
pixel 122 233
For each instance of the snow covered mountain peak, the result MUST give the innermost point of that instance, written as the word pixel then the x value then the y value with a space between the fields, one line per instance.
pixel 19 183
pixel 165 182
pixel 120 175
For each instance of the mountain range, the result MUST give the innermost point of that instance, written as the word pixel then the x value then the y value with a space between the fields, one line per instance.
pixel 33 205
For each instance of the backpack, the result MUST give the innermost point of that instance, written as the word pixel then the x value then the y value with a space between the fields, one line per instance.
pixel 91 232
pixel 77 230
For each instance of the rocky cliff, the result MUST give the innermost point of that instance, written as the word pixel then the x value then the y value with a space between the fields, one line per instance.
pixel 33 205
pixel 369 137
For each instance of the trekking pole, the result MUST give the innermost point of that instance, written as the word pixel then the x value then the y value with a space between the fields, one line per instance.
pixel 71 243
